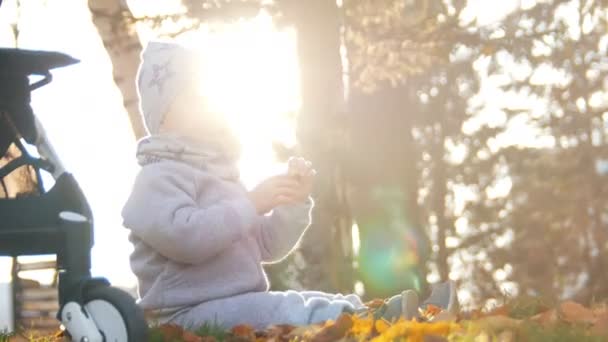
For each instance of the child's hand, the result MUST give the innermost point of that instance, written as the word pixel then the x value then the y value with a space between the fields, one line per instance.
pixel 292 188
pixel 301 169
pixel 274 191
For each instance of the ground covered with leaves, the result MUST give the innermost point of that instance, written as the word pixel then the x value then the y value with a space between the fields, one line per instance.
pixel 518 320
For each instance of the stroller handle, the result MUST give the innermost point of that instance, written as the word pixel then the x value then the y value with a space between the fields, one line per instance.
pixel 46 150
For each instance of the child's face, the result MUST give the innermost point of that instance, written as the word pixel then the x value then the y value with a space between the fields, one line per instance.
pixel 189 116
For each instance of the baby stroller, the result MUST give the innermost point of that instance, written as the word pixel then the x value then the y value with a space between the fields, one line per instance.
pixel 55 221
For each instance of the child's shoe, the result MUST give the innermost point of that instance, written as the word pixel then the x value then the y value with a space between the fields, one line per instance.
pixel 409 304
pixel 443 295
pixel 404 305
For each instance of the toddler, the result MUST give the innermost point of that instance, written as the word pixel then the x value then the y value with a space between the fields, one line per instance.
pixel 200 238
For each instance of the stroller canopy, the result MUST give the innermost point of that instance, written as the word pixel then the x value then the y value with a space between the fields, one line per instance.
pixel 15 67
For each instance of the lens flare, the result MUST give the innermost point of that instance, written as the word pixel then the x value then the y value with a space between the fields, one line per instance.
pixel 392 250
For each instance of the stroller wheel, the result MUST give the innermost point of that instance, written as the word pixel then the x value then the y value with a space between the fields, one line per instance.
pixel 116 315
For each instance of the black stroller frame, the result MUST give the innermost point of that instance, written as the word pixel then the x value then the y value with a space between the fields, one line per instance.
pixel 58 221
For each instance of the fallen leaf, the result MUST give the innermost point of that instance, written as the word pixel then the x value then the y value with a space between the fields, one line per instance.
pixel 572 312
pixel 415 331
pixel 329 322
pixel 381 326
pixel 304 331
pixel 243 332
pixel 362 327
pixel 497 323
pixel 432 309
pixel 444 316
pixel 546 318
pixel 600 327
pixel 171 331
pixel 374 303
pixel 429 312
pixel 335 331
pixel 601 309
pixel 188 336
pixel 280 329
pixel 275 333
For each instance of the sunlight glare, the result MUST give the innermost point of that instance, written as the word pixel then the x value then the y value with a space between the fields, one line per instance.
pixel 250 74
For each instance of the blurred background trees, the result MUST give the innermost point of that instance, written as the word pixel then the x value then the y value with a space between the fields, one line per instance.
pixel 549 229
pixel 458 149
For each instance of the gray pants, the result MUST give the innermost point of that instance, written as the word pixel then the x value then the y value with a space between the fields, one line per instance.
pixel 261 309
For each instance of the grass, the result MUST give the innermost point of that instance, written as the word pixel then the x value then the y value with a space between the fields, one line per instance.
pixel 5 335
pixel 516 320
pixel 159 333
pixel 558 333
pixel 526 307
pixel 212 329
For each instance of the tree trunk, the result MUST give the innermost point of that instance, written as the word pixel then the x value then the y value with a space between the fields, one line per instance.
pixel 439 179
pixel 327 247
pixel 123 46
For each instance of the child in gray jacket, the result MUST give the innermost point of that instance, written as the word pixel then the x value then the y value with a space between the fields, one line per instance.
pixel 200 238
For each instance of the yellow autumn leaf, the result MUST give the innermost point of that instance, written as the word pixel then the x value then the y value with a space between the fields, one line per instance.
pixel 381 326
pixel 415 331
pixel 362 326
pixel 329 322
